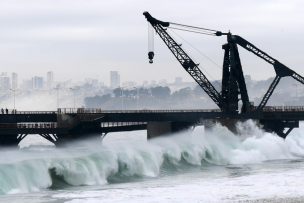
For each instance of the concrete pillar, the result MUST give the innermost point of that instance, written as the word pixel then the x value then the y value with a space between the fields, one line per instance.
pixel 66 121
pixel 156 129
pixel 9 140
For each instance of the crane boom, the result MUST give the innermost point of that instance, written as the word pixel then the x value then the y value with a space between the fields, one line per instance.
pixel 298 77
pixel 188 64
pixel 280 69
pixel 252 48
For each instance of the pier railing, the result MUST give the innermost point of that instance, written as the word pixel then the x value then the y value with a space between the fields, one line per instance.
pixel 15 111
pixel 50 125
pixel 283 109
pixel 121 124
pixel 101 111
pixel 44 125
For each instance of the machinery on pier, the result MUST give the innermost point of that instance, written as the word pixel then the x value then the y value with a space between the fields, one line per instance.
pixel 233 82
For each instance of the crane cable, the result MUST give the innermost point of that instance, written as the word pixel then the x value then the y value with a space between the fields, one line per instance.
pixel 197 32
pixel 201 53
pixel 189 26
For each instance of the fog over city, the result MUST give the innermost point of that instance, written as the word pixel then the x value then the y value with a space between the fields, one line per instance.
pixel 81 39
pixel 47 93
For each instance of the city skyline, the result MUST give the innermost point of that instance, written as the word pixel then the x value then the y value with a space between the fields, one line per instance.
pixel 92 39
pixel 47 82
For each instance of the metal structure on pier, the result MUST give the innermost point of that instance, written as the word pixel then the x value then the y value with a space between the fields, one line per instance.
pixel 233 81
pixel 70 124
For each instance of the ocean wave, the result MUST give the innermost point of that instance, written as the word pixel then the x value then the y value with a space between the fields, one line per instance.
pixel 127 161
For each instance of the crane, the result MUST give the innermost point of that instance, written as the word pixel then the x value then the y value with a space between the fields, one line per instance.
pixel 188 64
pixel 233 81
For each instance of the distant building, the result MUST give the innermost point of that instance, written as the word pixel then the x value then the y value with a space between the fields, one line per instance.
pixel 5 84
pixel 114 79
pixel 49 80
pixel 37 82
pixel 129 84
pixel 145 83
pixel 14 81
pixel 153 83
pixel 26 85
pixel 163 82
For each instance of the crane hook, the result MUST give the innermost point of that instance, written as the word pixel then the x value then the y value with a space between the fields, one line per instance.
pixel 151 56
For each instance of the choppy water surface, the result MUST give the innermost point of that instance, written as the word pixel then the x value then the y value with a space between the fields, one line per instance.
pixel 193 166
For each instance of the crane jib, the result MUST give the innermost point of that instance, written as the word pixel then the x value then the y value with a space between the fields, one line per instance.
pixel 188 64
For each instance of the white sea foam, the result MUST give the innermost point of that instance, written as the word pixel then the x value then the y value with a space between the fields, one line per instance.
pixel 90 163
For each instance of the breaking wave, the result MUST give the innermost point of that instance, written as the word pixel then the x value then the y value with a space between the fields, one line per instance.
pixel 29 170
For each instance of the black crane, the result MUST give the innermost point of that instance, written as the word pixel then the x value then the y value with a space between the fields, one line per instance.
pixel 183 58
pixel 233 82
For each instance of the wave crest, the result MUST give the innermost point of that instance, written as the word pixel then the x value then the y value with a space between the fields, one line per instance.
pixel 126 161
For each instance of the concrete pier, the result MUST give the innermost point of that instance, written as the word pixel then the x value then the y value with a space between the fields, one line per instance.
pixel 156 129
pixel 71 124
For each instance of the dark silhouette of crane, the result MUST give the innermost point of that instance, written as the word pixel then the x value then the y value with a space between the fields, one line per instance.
pixel 233 81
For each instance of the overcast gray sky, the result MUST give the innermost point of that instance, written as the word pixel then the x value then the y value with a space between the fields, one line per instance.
pixel 88 38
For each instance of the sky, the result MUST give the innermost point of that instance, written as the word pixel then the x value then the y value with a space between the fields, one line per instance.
pixel 80 39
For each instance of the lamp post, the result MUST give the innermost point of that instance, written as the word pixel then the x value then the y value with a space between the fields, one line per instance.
pixel 74 96
pixel 137 96
pixel 122 99
pixel 14 92
pixel 57 91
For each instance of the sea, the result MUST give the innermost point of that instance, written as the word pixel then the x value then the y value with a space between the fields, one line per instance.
pixel 196 165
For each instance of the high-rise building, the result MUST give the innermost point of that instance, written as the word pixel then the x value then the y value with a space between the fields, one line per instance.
pixel 14 81
pixel 37 82
pixel 5 84
pixel 50 79
pixel 114 79
pixel 26 84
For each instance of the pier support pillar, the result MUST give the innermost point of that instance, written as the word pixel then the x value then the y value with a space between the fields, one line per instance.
pixel 9 140
pixel 281 127
pixel 156 129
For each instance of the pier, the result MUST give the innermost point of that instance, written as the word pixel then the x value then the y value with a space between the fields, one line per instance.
pixel 70 124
